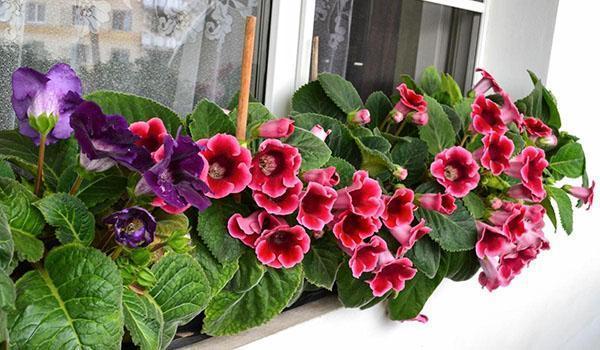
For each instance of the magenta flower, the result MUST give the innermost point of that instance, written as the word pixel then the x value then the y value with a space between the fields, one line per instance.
pixel 282 246
pixel 392 276
pixel 151 133
pixel 509 111
pixel 363 197
pixel 456 170
pixel 325 177
pixel 410 102
pixel 536 128
pixel 366 256
pixel 491 242
pixel 249 229
pixel 228 165
pixel 55 94
pixel 398 208
pixel 584 194
pixel 275 168
pixel 529 168
pixel 285 204
pixel 276 128
pixel 316 203
pixel 442 203
pixel 497 150
pixel 351 229
pixel 360 117
pixel 487 116
pixel 407 236
pixel 486 83
pixel 319 132
pixel 133 227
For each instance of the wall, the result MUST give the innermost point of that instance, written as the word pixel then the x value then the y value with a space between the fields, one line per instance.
pixel 555 303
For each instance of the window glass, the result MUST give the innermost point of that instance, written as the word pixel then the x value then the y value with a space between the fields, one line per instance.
pixel 174 51
pixel 373 42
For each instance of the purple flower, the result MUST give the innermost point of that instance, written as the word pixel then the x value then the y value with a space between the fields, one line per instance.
pixel 56 94
pixel 175 178
pixel 134 227
pixel 106 140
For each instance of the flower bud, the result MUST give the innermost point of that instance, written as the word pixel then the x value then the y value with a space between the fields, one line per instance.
pixel 276 128
pixel 400 173
pixel 547 142
pixel 359 117
pixel 319 132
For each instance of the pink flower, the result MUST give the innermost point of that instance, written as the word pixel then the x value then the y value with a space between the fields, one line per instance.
pixel 497 150
pixel 360 117
pixel 282 246
pixel 517 220
pixel 410 102
pixel 420 119
pixel 523 193
pixel 366 256
pixel 536 128
pixel 275 168
pixel 228 165
pixel 492 241
pixel 151 133
pixel 407 236
pixel 582 193
pixel 276 128
pixel 456 170
pixel 509 111
pixel 319 132
pixel 249 229
pixel 392 275
pixel 400 173
pixel 325 177
pixel 285 204
pixel 363 197
pixel 399 208
pixel 316 203
pixel 442 203
pixel 529 167
pixel 486 82
pixel 487 117
pixel 351 229
pixel 547 142
pixel 160 203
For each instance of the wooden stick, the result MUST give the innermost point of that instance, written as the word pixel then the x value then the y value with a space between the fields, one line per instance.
pixel 242 116
pixel 314 59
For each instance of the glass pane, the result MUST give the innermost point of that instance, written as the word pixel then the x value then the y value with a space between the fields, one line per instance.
pixel 174 51
pixel 373 42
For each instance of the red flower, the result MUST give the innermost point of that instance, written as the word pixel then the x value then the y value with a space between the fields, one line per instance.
pixel 282 246
pixel 326 177
pixel 399 208
pixel 249 229
pixel 486 82
pixel 392 275
pixel 407 236
pixel 316 203
pixel 285 204
pixel 492 241
pixel 523 193
pixel 410 102
pixel 351 229
pixel 523 224
pixel 456 170
pixel 442 203
pixel 228 168
pixel 275 168
pixel 276 128
pixel 536 128
pixel 366 256
pixel 160 203
pixel 363 197
pixel 509 111
pixel 151 133
pixel 319 132
pixel 582 193
pixel 497 150
pixel 487 117
pixel 529 168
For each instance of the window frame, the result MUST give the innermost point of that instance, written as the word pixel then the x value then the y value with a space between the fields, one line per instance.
pixel 35 6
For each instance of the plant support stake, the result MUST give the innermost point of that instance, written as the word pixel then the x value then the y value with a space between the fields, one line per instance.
pixel 242 116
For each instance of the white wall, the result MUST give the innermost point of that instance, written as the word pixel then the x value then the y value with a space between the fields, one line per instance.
pixel 555 304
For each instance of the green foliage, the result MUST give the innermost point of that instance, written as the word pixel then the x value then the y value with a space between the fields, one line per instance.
pixel 344 169
pixel 6 170
pixel 461 265
pixel 249 273
pixel 569 160
pixel 212 229
pixel 379 106
pixel 311 98
pixel 438 133
pixel 474 205
pixel 412 154
pixel 565 207
pixel 314 151
pixel 322 262
pixel 352 292
pixel 456 232
pixel 73 222
pixel 218 274
pixel 426 256
pixel 101 191
pixel 7 244
pixel 143 319
pixel 341 92
pixel 207 120
pixel 431 81
pixel 540 103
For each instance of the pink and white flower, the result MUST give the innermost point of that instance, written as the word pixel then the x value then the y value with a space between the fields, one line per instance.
pixel 392 276
pixel 275 168
pixel 282 246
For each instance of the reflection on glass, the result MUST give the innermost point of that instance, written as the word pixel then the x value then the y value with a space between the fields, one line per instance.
pixel 373 42
pixel 174 51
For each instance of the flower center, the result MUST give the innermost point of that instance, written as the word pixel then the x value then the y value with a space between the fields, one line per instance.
pixel 451 173
pixel 280 239
pixel 134 226
pixel 267 164
pixel 216 171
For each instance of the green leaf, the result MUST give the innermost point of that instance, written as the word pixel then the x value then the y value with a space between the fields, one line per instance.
pixel 135 108
pixel 464 109
pixel 449 85
pixel 230 313
pixel 314 151
pixel 208 119
pixel 550 114
pixel 250 272
pixel 411 300
pixel 438 133
pixel 426 254
pixel 455 119
pixel 517 140
pixel 569 160
pixel 474 205
pixel 311 98
pixel 456 232
pixel 6 170
pixel 101 192
pixel 218 274
pixel 212 228
pixel 7 245
pixel 73 222
pixel 377 143
pixel 322 262
pixel 430 80
pixel 550 212
pixel 411 153
pixel 72 303
pixel 7 292
pixel 565 207
pixel 374 161
pixel 341 92
pixel 352 292
pixel 461 265
pixel 379 106
pixel 143 319
pixel 168 224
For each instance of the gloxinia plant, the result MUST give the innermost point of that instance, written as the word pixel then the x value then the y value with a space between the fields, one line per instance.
pixel 120 221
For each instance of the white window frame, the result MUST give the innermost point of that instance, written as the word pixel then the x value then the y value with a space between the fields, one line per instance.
pixel 36 13
pixel 290 41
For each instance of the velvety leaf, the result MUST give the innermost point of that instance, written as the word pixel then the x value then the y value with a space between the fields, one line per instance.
pixel 72 303
pixel 430 80
pixel 425 255
pixel 7 245
pixel 344 169
pixel 218 274
pixel 454 118
pixel 310 98
pixel 474 205
pixel 340 91
pixel 569 160
pixel 379 106
pixel 73 222
pixel 565 207
pixel 411 153
pixel 167 224
pixel 230 313
pixel 208 119
pixel 550 212
pixel 461 265
pixel 464 109
pixel 322 262
pixel 6 170
pixel 352 292
pixel 450 86
pixel 212 229
pixel 249 273
pixel 378 143
pixel 438 133
pixel 101 191
pixel 7 292
pixel 517 140
pixel 374 161
pixel 550 114
pixel 314 151
pixel 143 319
pixel 456 232
pixel 135 108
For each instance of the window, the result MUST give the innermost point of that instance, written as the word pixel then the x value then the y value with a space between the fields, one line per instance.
pixel 79 55
pixel 121 20
pixel 119 55
pixel 35 12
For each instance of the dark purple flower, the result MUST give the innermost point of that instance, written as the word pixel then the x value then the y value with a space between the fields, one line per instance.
pixel 134 227
pixel 35 94
pixel 106 140
pixel 175 178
